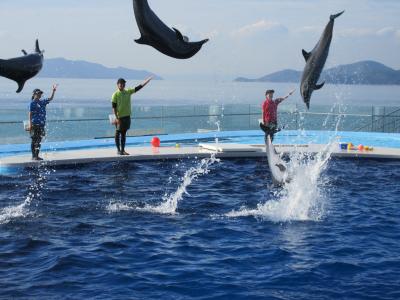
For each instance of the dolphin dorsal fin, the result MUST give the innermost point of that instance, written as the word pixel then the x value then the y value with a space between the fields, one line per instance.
pixel 306 54
pixel 24 52
pixel 37 49
pixel 179 35
pixel 318 86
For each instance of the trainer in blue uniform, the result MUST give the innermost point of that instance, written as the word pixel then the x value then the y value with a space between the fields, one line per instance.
pixel 37 120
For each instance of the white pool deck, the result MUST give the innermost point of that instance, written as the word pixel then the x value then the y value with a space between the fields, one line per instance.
pixel 222 150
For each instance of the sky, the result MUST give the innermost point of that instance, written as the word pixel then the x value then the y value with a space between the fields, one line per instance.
pixel 249 38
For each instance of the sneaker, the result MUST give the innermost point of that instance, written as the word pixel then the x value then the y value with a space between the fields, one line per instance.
pixel 37 158
pixel 119 153
pixel 125 153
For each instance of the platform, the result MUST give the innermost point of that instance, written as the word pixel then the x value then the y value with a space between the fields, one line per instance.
pixel 201 151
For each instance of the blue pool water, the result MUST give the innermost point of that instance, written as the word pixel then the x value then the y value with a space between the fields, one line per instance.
pixel 201 229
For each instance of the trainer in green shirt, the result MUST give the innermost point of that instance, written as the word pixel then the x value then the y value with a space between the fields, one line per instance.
pixel 122 99
pixel 121 104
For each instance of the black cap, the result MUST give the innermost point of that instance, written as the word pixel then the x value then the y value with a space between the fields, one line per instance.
pixel 121 80
pixel 37 91
pixel 269 91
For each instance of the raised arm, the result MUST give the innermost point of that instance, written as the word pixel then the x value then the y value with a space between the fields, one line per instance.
pixel 53 91
pixel 284 98
pixel 143 84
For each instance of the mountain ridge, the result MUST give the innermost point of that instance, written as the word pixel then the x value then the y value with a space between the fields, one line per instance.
pixel 363 72
pixel 64 68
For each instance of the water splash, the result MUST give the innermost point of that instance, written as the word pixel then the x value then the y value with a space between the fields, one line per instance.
pixel 303 198
pixel 18 211
pixel 23 210
pixel 170 201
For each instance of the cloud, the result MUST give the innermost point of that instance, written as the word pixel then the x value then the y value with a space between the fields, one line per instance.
pixel 390 32
pixel 260 26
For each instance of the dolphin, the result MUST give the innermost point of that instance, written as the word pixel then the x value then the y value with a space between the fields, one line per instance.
pixel 22 68
pixel 315 61
pixel 158 35
pixel 277 166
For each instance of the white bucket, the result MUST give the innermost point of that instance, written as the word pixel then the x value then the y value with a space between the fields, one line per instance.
pixel 112 119
pixel 26 125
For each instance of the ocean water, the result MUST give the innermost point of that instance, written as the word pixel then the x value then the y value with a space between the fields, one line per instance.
pixel 81 107
pixel 201 229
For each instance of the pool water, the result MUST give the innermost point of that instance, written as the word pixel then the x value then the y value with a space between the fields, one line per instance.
pixel 201 229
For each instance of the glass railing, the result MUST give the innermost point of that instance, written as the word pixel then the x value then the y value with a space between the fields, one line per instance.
pixel 89 123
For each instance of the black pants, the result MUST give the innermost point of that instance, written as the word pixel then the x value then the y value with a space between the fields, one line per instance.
pixel 120 133
pixel 37 133
pixel 269 129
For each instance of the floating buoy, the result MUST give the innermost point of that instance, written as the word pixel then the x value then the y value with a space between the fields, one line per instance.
pixel 360 147
pixel 177 145
pixel 155 142
pixel 350 146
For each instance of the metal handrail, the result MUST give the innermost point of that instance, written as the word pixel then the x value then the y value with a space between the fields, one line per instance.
pixel 193 116
pixel 380 118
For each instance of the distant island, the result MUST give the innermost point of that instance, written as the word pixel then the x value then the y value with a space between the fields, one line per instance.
pixel 63 68
pixel 363 72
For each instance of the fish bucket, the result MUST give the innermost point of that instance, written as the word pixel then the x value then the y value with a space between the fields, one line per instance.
pixel 26 124
pixel 112 119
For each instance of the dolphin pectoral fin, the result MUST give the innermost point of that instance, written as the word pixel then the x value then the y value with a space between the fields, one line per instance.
pixel 186 39
pixel 281 167
pixel 179 35
pixel 141 40
pixel 306 54
pixel 24 52
pixel 318 86
pixel 20 86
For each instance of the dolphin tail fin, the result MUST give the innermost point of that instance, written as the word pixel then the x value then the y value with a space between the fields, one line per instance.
pixel 20 85
pixel 141 40
pixel 306 54
pixel 333 17
pixel 319 86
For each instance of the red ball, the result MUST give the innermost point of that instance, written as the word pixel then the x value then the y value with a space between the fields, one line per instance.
pixel 155 142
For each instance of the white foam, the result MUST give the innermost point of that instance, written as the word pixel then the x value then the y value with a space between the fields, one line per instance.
pixel 114 207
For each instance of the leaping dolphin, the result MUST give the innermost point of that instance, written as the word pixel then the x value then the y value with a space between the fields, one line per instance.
pixel 22 68
pixel 277 166
pixel 315 61
pixel 156 34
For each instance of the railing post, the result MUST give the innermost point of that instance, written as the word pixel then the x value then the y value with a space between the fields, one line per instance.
pixel 249 117
pixel 384 118
pixel 162 118
pixel 372 118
